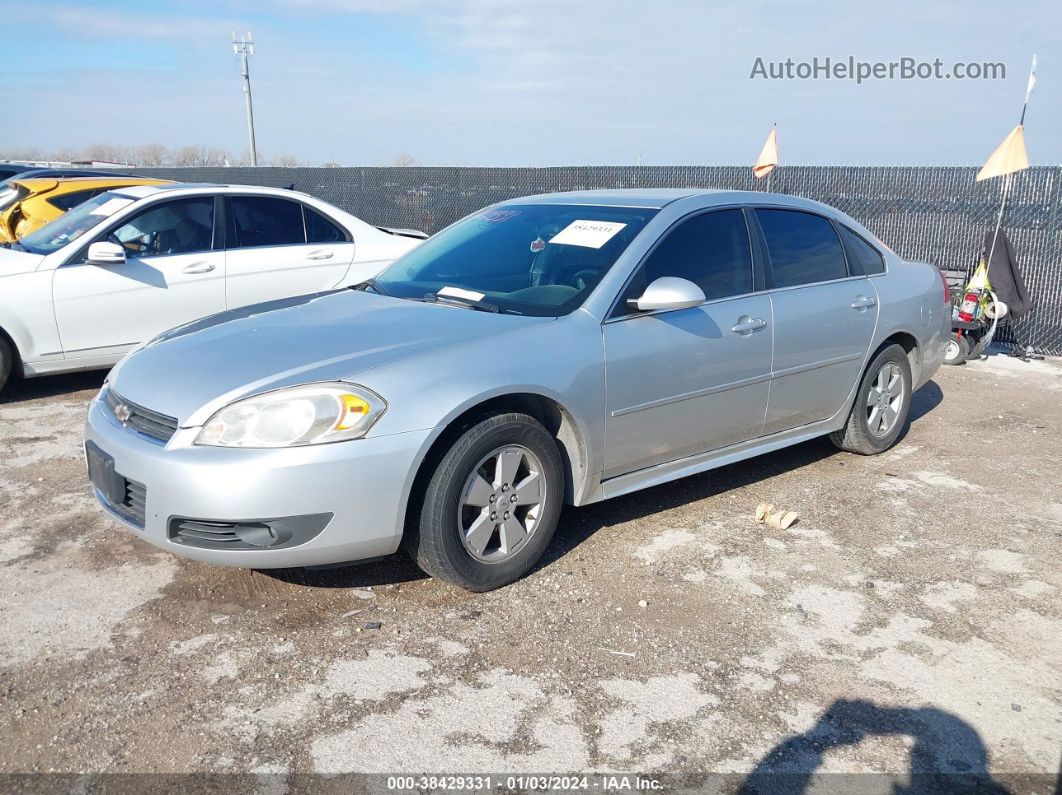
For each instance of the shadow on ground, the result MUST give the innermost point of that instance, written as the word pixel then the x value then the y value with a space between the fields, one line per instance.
pixel 20 389
pixel 946 755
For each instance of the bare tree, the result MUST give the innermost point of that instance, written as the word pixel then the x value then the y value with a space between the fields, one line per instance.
pixel 284 161
pixel 107 153
pixel 200 156
pixel 149 155
pixel 405 160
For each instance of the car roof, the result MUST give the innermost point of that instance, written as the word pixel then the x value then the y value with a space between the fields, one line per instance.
pixel 658 198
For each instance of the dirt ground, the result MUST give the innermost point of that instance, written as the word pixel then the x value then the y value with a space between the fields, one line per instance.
pixel 911 621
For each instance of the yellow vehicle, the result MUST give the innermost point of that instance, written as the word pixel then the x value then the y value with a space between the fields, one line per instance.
pixel 28 204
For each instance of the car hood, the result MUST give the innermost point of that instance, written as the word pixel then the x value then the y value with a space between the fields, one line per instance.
pixel 191 371
pixel 13 262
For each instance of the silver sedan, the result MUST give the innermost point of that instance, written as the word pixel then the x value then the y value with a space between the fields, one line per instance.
pixel 550 350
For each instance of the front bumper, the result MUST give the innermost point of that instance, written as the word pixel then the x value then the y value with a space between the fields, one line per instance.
pixel 364 484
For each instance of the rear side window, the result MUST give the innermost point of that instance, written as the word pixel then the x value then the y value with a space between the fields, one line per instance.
pixel 803 247
pixel 320 230
pixel 68 201
pixel 259 221
pixel 863 258
pixel 711 250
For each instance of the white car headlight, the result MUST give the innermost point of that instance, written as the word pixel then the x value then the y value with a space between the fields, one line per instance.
pixel 293 417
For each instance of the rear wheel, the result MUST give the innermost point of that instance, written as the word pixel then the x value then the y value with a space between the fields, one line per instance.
pixel 957 350
pixel 881 405
pixel 492 504
pixel 7 361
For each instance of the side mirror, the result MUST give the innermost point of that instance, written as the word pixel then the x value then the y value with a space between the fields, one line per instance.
pixel 668 292
pixel 105 254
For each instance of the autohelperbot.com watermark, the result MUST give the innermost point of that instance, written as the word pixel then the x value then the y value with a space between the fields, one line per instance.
pixel 850 68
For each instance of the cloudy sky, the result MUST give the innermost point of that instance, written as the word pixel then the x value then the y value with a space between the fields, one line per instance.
pixel 529 82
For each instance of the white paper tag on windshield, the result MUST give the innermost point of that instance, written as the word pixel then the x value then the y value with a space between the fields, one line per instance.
pixel 111 206
pixel 592 234
pixel 457 292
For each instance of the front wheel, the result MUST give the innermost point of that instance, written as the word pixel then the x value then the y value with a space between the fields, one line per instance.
pixel 881 405
pixel 491 505
pixel 7 361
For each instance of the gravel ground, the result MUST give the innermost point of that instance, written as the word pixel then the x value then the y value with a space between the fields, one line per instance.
pixel 910 621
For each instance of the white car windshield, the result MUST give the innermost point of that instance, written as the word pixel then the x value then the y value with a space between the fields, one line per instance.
pixel 528 259
pixel 69 227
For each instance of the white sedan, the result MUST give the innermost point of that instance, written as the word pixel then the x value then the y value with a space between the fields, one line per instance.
pixel 131 263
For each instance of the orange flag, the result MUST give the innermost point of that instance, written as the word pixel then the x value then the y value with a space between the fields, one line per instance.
pixel 768 158
pixel 1009 156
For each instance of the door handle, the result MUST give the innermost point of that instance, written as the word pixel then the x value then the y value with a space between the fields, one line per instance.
pixel 747 325
pixel 198 267
pixel 862 302
pixel 321 255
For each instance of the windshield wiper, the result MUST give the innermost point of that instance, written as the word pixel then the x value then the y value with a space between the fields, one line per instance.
pixel 462 301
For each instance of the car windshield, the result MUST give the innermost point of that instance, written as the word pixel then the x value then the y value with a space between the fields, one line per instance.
pixel 67 228
pixel 530 259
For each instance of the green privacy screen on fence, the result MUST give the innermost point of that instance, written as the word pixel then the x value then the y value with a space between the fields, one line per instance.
pixel 934 214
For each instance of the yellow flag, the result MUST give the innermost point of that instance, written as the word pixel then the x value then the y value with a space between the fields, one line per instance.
pixel 1009 156
pixel 768 158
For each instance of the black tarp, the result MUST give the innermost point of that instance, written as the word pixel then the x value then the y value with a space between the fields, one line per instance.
pixel 1005 276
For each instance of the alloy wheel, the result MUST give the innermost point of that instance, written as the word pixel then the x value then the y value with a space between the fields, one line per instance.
pixel 885 400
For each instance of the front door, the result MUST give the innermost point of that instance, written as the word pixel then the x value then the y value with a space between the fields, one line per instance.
pixel 279 248
pixel 172 275
pixel 687 381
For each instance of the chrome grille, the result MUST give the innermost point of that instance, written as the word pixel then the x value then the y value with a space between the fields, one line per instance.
pixel 149 423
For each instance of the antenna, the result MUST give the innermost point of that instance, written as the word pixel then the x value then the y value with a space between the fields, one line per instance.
pixel 244 47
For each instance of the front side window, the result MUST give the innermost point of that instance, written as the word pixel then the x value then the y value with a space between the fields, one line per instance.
pixel 259 221
pixel 863 258
pixel 711 250
pixel 532 259
pixel 803 247
pixel 182 226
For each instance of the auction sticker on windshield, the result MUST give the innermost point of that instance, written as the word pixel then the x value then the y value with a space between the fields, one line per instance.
pixel 111 206
pixel 592 234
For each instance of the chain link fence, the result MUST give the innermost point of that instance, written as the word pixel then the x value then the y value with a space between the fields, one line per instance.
pixel 934 214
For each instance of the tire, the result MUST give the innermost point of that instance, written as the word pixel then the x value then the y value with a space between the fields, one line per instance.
pixel 7 361
pixel 490 465
pixel 877 419
pixel 957 350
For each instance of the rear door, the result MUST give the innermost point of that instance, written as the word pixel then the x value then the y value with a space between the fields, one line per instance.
pixel 686 381
pixel 277 248
pixel 824 318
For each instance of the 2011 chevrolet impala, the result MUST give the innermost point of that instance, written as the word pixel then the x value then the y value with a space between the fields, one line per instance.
pixel 551 350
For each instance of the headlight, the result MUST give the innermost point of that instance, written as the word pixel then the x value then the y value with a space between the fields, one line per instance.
pixel 293 417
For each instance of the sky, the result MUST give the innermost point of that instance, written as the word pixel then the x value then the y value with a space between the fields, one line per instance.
pixel 529 82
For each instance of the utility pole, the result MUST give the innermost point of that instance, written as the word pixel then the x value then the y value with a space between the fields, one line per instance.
pixel 244 47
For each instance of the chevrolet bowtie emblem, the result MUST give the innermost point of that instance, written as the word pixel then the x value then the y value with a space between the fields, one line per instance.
pixel 123 412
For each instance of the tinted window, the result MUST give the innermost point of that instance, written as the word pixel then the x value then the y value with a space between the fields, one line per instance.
pixel 69 201
pixel 803 247
pixel 863 258
pixel 320 230
pixel 265 222
pixel 710 250
pixel 181 226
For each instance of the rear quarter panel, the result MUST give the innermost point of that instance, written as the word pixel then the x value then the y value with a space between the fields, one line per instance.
pixel 911 300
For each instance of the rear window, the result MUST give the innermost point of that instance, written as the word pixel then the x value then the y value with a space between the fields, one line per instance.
pixel 320 230
pixel 803 247
pixel 259 221
pixel 863 258
pixel 68 201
